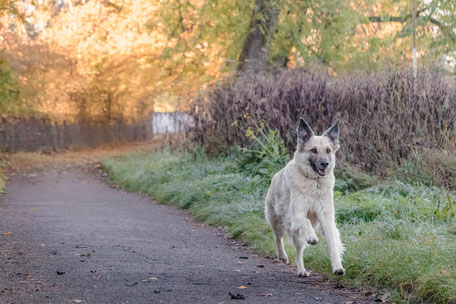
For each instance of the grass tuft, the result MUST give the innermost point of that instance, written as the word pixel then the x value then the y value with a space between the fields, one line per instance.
pixel 2 182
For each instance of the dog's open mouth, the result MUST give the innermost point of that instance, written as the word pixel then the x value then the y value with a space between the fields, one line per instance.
pixel 321 172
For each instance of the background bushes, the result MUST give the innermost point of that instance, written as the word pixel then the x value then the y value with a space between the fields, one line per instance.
pixel 384 120
pixel 9 91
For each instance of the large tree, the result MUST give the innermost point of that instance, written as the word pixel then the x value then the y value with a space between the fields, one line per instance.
pixel 263 24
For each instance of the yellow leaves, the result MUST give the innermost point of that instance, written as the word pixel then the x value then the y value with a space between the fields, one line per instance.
pixel 242 287
pixel 189 54
pixel 249 133
pixel 84 53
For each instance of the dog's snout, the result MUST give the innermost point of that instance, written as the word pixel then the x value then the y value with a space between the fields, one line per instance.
pixel 324 163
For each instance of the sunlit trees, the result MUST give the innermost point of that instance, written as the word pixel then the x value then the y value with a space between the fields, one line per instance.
pixel 112 60
pixel 93 60
pixel 335 34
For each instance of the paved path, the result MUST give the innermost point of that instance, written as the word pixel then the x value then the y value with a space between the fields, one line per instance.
pixel 66 236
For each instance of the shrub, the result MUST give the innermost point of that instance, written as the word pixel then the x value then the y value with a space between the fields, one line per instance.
pixel 384 120
pixel 265 156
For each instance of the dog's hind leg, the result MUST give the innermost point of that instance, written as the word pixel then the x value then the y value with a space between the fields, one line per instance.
pixel 277 227
pixel 281 254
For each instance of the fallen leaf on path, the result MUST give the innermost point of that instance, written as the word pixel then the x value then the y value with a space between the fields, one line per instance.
pixel 42 245
pixel 34 209
pixel 236 296
pixel 266 294
pixel 76 301
pixel 131 284
pixel 151 279
pixel 242 287
pixel 8 233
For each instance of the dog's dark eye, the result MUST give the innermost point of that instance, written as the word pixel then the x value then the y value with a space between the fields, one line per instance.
pixel 313 150
pixel 328 150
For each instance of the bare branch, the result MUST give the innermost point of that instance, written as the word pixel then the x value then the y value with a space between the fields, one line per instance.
pixel 448 31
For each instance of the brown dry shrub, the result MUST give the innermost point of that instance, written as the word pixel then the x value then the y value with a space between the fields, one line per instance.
pixel 383 121
pixel 442 167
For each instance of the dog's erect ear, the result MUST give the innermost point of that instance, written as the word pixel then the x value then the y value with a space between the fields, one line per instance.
pixel 333 133
pixel 304 131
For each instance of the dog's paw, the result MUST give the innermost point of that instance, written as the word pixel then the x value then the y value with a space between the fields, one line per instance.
pixel 303 273
pixel 312 240
pixel 284 259
pixel 339 271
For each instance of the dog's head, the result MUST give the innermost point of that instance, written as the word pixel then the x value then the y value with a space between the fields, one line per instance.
pixel 316 155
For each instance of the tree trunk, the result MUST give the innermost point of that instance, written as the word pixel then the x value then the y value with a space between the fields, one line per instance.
pixel 254 54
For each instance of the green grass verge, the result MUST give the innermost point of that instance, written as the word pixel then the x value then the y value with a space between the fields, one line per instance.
pixel 2 183
pixel 399 237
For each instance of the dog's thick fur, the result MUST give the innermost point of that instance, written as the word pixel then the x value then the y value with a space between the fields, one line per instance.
pixel 301 197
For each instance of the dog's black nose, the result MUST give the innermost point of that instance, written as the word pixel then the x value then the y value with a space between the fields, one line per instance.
pixel 324 163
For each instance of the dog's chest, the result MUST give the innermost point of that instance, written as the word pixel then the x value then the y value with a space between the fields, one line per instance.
pixel 316 194
pixel 317 190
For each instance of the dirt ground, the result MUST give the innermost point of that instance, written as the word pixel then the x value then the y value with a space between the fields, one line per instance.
pixel 68 236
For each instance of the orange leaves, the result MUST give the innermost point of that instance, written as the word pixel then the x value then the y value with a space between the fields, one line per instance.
pixel 115 60
pixel 86 53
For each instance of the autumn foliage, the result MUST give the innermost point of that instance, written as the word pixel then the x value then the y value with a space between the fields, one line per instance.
pixel 104 60
pixel 117 60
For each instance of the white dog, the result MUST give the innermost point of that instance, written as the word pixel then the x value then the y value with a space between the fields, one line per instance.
pixel 301 197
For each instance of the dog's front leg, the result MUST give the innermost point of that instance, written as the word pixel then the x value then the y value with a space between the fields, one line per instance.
pixel 332 237
pixel 299 220
pixel 302 232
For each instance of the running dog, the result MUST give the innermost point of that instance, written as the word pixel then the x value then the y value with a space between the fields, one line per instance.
pixel 301 197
